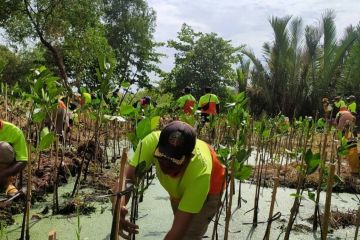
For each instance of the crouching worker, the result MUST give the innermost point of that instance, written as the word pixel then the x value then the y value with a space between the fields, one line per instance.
pixel 189 171
pixel 13 155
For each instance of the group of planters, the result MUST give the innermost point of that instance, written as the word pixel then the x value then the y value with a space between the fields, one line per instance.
pixel 188 168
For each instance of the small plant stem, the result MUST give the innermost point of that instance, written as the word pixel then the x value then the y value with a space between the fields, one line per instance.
pixel 321 176
pixel 272 204
pixel 357 224
pixel 239 195
pixel 55 194
pixel 77 181
pixel 258 183
pixel 300 186
pixel 228 210
pixel 28 194
pixel 327 213
pixel 220 205
pixel 6 102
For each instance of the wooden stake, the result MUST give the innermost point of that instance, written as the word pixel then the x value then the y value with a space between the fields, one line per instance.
pixel 273 199
pixel 115 228
pixel 52 235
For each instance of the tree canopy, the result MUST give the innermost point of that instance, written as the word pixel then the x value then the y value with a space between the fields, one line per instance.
pixel 201 59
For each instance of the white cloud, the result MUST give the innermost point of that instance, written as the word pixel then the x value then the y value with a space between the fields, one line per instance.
pixel 245 21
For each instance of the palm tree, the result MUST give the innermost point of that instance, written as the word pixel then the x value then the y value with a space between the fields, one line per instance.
pixel 297 75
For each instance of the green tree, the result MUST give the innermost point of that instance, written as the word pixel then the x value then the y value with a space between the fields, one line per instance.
pixel 130 25
pixel 201 59
pixel 12 66
pixel 350 83
pixel 50 23
pixel 297 76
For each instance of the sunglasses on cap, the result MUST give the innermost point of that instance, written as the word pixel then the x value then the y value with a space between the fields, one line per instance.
pixel 175 161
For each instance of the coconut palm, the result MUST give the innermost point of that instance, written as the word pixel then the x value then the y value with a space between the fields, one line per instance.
pixel 297 75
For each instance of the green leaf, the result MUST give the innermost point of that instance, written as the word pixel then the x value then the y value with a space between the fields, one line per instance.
pixel 294 195
pixel 126 109
pixel 311 196
pixel 38 116
pixel 313 166
pixel 312 161
pixel 243 173
pixel 133 139
pixel 223 154
pixel 46 141
pixel 155 122
pixel 266 133
pixel 125 84
pixel 44 132
pixel 140 169
pixel 102 62
pixel 242 155
pixel 143 128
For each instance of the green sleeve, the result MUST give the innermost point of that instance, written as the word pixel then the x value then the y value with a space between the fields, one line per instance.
pixel 145 150
pixel 181 101
pixel 20 147
pixel 201 100
pixel 87 98
pixel 195 195
pixel 215 99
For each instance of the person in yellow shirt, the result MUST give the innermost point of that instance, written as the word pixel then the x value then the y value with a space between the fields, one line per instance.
pixel 352 108
pixel 189 171
pixel 352 104
pixel 338 105
pixel 208 104
pixel 13 155
pixel 187 102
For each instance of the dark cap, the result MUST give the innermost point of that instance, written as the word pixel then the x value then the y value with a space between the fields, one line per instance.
pixel 147 100
pixel 187 90
pixel 177 141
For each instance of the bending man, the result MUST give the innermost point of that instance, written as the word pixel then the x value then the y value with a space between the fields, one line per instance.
pixel 13 155
pixel 189 171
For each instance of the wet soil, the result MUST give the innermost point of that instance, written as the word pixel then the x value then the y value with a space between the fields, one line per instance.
pixel 288 177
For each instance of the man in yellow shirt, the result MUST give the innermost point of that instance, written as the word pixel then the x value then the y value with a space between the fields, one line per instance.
pixel 13 155
pixel 189 171
pixel 187 102
pixel 338 105
pixel 208 104
pixel 352 108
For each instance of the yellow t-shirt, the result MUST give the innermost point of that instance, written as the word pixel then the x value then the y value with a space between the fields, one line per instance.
pixel 191 188
pixel 14 136
pixel 210 98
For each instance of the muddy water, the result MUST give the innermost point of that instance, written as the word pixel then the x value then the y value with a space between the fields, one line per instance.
pixel 155 217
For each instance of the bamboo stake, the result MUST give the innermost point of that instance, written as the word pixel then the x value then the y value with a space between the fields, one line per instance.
pixel 273 199
pixel 115 228
pixel 52 235
pixel 326 216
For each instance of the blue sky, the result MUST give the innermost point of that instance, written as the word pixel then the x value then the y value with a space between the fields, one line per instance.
pixel 243 21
